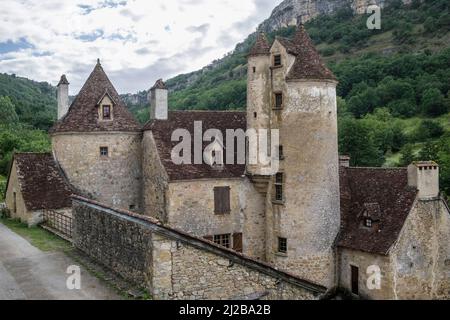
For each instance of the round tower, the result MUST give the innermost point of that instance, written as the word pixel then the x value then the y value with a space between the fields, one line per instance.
pixel 303 218
pixel 258 95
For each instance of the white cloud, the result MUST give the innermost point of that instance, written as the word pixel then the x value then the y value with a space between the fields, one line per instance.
pixel 138 41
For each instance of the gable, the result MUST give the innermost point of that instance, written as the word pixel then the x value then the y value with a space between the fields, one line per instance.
pixel 83 115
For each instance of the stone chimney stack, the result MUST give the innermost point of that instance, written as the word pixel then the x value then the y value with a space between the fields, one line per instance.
pixel 63 97
pixel 425 177
pixel 344 161
pixel 159 96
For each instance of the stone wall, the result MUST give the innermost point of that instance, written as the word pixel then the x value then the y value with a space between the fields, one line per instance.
pixel 175 265
pixel 308 217
pixel 363 261
pixel 116 179
pixel 155 180
pixel 191 209
pixel 422 253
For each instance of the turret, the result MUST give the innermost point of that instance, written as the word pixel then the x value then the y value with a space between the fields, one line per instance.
pixel 158 97
pixel 258 93
pixel 63 97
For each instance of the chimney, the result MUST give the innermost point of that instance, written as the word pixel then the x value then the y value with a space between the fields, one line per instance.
pixel 344 161
pixel 425 177
pixel 63 97
pixel 159 101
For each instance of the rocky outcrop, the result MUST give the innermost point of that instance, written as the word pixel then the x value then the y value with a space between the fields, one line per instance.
pixel 290 11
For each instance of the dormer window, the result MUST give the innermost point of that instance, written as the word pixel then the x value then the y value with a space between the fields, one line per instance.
pixel 106 112
pixel 277 60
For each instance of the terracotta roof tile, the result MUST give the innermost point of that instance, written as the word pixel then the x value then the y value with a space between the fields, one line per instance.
pixel 163 129
pixel 83 114
pixel 384 196
pixel 261 46
pixel 308 63
pixel 42 183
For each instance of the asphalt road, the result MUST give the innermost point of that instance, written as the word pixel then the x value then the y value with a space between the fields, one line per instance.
pixel 27 273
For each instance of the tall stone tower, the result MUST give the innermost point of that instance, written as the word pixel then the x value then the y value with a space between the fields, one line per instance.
pixel 98 145
pixel 302 210
pixel 258 107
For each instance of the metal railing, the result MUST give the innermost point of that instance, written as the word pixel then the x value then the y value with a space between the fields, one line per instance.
pixel 59 223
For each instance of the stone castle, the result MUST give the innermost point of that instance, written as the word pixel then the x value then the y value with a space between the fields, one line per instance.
pixel 376 233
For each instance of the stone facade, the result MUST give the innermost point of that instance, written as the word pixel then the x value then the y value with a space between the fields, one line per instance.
pixel 308 216
pixel 115 179
pixel 416 268
pixel 195 214
pixel 175 265
pixel 16 206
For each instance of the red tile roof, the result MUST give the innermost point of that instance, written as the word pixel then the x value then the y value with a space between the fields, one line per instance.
pixel 261 46
pixel 383 195
pixel 308 63
pixel 162 132
pixel 83 114
pixel 42 183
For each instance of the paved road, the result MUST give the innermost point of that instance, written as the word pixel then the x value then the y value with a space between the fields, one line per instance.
pixel 28 273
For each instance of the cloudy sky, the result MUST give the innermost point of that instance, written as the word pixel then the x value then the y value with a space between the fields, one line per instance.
pixel 138 41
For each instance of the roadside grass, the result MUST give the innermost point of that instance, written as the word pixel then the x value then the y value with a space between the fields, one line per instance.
pixel 38 237
pixel 2 186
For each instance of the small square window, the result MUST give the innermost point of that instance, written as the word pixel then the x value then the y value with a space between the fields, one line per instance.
pixel 106 111
pixel 104 152
pixel 132 207
pixel 277 60
pixel 279 178
pixel 368 223
pixel 278 100
pixel 223 240
pixel 282 245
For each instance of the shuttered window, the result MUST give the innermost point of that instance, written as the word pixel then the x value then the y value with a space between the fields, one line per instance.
pixel 237 242
pixel 222 200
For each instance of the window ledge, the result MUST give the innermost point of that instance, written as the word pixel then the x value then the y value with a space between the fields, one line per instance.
pixel 276 67
pixel 279 202
pixel 281 254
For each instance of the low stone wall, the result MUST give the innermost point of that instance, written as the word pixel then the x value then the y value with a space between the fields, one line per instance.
pixel 174 265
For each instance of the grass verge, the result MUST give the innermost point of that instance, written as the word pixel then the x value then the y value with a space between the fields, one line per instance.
pixel 38 237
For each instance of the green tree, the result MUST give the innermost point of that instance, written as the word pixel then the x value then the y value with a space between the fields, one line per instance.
pixel 355 140
pixel 407 155
pixel 7 111
pixel 434 103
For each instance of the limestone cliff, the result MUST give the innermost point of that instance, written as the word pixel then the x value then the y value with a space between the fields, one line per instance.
pixel 289 11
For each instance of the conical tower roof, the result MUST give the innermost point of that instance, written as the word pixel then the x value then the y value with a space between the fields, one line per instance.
pixel 308 63
pixel 83 114
pixel 261 46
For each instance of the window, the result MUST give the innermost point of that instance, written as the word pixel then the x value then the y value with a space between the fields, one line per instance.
pixel 282 245
pixel 15 202
pixel 355 279
pixel 132 207
pixel 255 115
pixel 279 180
pixel 222 200
pixel 104 151
pixel 237 242
pixel 106 111
pixel 280 153
pixel 368 223
pixel 278 100
pixel 277 60
pixel 254 69
pixel 223 240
